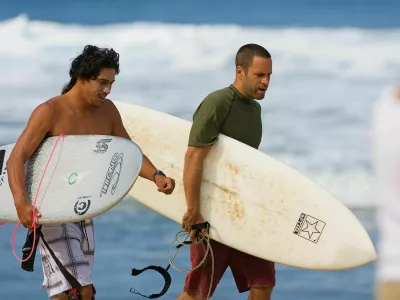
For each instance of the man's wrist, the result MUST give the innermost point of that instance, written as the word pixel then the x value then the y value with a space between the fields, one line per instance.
pixel 157 172
pixel 193 209
pixel 20 202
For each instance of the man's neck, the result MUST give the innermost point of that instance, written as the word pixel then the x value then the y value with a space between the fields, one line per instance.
pixel 77 101
pixel 239 87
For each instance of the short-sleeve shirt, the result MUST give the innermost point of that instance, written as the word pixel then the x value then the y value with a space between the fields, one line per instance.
pixel 228 112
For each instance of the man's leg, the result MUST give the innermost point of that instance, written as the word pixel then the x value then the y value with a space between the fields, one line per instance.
pixel 254 274
pixel 262 293
pixel 73 245
pixel 388 291
pixel 186 296
pixel 199 281
pixel 62 296
pixel 86 292
pixel 255 294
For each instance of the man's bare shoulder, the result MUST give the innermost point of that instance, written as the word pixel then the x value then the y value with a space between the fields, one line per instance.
pixel 56 102
pixel 52 105
pixel 118 127
pixel 111 108
pixel 110 104
pixel 49 109
pixel 45 108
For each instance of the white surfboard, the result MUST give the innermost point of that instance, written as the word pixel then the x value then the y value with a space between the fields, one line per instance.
pixel 86 176
pixel 253 202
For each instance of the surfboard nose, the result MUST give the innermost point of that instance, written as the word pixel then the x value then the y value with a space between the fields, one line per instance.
pixel 357 247
pixel 362 253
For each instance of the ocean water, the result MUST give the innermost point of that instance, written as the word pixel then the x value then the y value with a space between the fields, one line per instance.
pixel 130 236
pixel 331 61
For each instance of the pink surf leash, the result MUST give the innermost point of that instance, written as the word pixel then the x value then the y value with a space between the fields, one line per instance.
pixel 34 224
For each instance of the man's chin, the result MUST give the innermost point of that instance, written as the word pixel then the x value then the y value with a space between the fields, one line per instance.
pixel 259 96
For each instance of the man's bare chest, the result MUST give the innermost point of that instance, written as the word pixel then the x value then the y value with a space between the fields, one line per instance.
pixel 71 124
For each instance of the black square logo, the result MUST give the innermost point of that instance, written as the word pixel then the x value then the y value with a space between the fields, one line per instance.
pixel 309 228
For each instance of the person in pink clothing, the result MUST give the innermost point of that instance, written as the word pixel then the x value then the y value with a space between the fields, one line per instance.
pixel 386 163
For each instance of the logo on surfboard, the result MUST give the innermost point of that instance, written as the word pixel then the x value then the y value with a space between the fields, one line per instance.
pixel 102 145
pixel 309 228
pixel 112 175
pixel 72 178
pixel 81 206
pixel 75 178
pixel 2 171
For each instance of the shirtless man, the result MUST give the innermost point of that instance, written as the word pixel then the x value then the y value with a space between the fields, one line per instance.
pixel 82 108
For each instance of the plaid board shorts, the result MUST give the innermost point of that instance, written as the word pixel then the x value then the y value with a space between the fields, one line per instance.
pixel 73 244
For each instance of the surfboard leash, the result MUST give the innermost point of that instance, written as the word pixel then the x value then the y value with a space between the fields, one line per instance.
pixel 200 238
pixel 34 224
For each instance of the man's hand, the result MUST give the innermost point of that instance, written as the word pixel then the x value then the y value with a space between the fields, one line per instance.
pixel 165 184
pixel 25 215
pixel 192 217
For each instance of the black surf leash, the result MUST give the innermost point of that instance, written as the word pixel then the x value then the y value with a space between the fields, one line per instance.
pixel 164 271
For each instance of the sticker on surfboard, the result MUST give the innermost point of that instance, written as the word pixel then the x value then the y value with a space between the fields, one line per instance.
pixel 3 168
pixel 102 145
pixel 82 205
pixel 113 173
pixel 309 228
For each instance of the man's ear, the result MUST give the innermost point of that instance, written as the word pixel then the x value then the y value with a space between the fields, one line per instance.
pixel 240 72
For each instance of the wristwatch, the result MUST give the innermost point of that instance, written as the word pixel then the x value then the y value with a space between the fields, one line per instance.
pixel 156 173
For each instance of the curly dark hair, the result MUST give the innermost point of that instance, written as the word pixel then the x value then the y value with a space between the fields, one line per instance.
pixel 88 64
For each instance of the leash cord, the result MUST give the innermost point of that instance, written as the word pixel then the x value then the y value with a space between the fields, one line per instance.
pixel 34 224
pixel 200 239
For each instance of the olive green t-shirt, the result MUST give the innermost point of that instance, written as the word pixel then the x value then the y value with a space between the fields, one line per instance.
pixel 228 112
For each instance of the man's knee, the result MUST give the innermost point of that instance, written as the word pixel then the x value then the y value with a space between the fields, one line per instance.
pixel 86 292
pixel 186 296
pixel 62 296
pixel 260 293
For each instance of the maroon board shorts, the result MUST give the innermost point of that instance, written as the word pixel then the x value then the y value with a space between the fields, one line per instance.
pixel 248 271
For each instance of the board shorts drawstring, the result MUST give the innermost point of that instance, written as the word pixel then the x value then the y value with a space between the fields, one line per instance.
pixel 84 232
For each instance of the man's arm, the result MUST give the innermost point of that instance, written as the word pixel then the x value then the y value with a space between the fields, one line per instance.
pixel 38 126
pixel 192 176
pixel 204 133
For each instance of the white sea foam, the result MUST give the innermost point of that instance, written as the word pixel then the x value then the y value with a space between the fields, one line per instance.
pixel 316 113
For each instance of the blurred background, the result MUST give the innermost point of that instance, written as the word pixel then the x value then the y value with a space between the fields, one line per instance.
pixel 331 61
